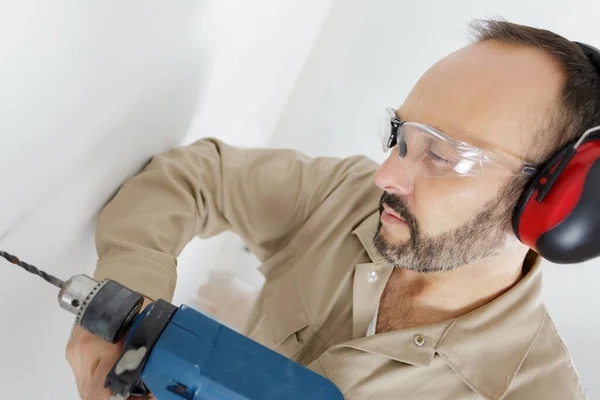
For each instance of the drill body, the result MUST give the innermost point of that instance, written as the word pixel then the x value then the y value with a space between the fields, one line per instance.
pixel 198 358
pixel 178 353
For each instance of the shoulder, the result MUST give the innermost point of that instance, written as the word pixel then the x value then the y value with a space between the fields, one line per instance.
pixel 347 185
pixel 355 174
pixel 548 371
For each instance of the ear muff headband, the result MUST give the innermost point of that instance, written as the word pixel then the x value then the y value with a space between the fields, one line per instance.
pixel 558 214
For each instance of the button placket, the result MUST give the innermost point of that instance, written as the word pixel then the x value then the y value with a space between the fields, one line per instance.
pixel 369 283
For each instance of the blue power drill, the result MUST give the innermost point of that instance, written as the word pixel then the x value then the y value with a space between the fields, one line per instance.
pixel 178 353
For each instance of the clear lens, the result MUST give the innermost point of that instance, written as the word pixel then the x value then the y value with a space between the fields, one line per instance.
pixel 428 152
pixel 432 155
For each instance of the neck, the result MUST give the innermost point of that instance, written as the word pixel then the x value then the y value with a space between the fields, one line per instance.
pixel 451 294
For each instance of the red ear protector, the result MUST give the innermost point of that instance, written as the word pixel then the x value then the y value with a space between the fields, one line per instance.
pixel 558 214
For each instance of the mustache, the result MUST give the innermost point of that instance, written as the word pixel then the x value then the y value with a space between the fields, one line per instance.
pixel 398 204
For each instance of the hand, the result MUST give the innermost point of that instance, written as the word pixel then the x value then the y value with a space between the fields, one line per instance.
pixel 91 359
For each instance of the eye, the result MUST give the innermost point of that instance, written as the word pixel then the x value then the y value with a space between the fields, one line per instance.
pixel 437 160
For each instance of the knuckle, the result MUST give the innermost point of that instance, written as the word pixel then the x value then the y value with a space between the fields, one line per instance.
pixel 79 346
pixel 70 352
pixel 85 342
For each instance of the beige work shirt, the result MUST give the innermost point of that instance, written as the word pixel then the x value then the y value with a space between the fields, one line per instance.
pixel 311 222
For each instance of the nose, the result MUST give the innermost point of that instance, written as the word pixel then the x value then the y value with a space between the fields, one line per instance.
pixel 393 177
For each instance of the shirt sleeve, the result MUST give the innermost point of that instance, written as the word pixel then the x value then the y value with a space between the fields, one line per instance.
pixel 263 195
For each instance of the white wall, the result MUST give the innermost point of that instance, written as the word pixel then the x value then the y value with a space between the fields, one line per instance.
pixel 90 90
pixel 339 101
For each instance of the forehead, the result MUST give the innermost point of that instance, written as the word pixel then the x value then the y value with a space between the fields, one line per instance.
pixel 492 95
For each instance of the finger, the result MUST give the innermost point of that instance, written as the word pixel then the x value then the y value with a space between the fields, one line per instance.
pixel 75 361
pixel 96 389
pixel 92 351
pixel 70 352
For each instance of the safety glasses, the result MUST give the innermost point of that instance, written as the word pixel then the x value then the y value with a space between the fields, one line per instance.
pixel 426 151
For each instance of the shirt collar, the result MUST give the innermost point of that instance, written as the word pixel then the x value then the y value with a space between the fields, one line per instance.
pixel 365 232
pixel 499 333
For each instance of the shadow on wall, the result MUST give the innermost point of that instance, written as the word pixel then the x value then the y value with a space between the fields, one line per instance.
pixel 156 120
pixel 56 231
pixel 89 99
pixel 115 99
pixel 223 298
pixel 219 277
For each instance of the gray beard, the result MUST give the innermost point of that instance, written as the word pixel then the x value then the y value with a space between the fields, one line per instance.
pixel 483 236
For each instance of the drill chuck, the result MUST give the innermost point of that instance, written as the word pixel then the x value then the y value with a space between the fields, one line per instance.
pixel 105 309
pixel 75 292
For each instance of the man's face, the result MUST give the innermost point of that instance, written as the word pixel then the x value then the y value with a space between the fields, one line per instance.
pixel 490 95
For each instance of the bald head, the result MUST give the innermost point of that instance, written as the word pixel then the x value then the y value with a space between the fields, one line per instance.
pixel 493 95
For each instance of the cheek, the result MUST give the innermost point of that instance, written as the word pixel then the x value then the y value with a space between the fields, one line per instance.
pixel 442 205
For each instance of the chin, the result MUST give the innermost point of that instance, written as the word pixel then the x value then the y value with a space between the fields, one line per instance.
pixel 393 238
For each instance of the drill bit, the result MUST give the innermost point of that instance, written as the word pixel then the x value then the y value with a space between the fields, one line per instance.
pixel 30 268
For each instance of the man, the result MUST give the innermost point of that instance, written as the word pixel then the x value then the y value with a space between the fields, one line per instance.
pixel 410 285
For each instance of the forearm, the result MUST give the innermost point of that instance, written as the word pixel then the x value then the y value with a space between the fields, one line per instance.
pixel 147 224
pixel 263 195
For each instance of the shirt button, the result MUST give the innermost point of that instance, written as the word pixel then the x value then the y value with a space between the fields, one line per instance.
pixel 372 277
pixel 419 340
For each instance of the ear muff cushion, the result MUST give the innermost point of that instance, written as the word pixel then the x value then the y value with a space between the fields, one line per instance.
pixel 577 237
pixel 533 219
